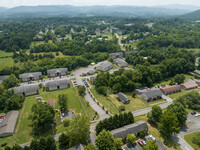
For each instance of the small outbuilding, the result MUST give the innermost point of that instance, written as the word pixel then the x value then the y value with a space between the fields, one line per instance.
pixel 32 76
pixel 120 62
pixel 57 84
pixel 171 89
pixel 151 94
pixel 105 66
pixel 7 126
pixel 27 90
pixel 116 55
pixel 91 72
pixel 57 72
pixel 123 98
pixel 189 85
pixel 134 128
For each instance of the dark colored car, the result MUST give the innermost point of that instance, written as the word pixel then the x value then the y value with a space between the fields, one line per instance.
pixel 193 113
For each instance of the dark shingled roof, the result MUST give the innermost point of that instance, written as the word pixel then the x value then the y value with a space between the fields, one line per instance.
pixel 52 72
pixel 26 88
pixel 58 82
pixel 172 88
pixel 152 93
pixel 123 97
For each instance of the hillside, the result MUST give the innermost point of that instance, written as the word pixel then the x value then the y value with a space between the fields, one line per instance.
pixel 68 10
pixel 194 16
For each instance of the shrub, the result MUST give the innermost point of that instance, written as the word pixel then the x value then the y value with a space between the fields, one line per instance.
pixel 4 144
pixel 122 108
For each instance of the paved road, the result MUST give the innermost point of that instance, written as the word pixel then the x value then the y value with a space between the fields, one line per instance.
pixel 194 126
pixel 167 98
pixel 119 41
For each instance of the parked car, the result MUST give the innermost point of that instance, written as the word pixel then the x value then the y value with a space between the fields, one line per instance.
pixel 143 141
pixel 193 113
pixel 74 81
pixel 165 142
pixel 139 142
pixel 153 138
pixel 197 115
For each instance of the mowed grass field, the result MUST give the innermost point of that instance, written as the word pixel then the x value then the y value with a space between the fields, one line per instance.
pixel 154 131
pixel 6 62
pixel 189 138
pixel 183 92
pixel 5 54
pixel 24 133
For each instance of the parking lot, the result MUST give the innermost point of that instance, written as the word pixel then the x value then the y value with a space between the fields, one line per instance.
pixel 135 146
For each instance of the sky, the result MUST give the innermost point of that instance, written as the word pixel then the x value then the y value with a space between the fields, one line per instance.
pixel 14 3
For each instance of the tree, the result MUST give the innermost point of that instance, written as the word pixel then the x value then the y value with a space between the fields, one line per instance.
pixel 180 112
pixel 64 140
pixel 130 117
pixel 118 143
pixel 81 90
pixel 90 147
pixel 63 102
pixel 131 138
pixel 168 123
pixel 151 145
pixel 196 139
pixel 142 133
pixel 110 59
pixel 34 144
pixel 105 141
pixel 133 94
pixel 155 114
pixel 79 130
pixel 42 117
pixel 51 143
pixel 10 81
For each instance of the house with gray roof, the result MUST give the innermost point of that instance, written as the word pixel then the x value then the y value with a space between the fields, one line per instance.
pixel 134 128
pixel 130 52
pixel 120 62
pixel 123 98
pixel 7 126
pixel 91 72
pixel 197 72
pixel 57 84
pixel 77 147
pixel 151 94
pixel 92 79
pixel 27 89
pixel 30 76
pixel 57 72
pixel 116 55
pixel 105 66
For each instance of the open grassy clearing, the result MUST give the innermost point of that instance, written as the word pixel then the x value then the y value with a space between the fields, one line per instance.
pixel 24 132
pixel 189 138
pixel 36 43
pixel 6 62
pixel 108 34
pixel 5 54
pixel 8 140
pixel 183 92
pixel 167 81
pixel 112 104
pixel 154 131
pixel 115 67
pixel 193 49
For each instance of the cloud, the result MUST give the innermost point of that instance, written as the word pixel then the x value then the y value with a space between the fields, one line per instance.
pixel 13 3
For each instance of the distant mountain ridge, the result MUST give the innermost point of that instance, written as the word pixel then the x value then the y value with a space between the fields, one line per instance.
pixel 115 10
pixel 194 16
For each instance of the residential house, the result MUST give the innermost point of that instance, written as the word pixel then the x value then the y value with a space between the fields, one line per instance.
pixel 92 79
pixel 120 62
pixel 91 72
pixel 130 52
pixel 52 103
pixel 171 89
pixel 141 90
pixel 57 84
pixel 197 72
pixel 134 128
pixel 27 89
pixel 151 94
pixel 189 85
pixel 77 147
pixel 105 66
pixel 123 98
pixel 30 76
pixel 7 126
pixel 57 72
pixel 116 55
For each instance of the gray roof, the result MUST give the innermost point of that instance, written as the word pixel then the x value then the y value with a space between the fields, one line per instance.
pixel 152 93
pixel 105 66
pixel 134 128
pixel 26 88
pixel 197 71
pixel 31 74
pixel 130 52
pixel 77 147
pixel 117 54
pixel 92 71
pixel 120 62
pixel 123 97
pixel 54 71
pixel 3 77
pixel 58 82
pixel 9 122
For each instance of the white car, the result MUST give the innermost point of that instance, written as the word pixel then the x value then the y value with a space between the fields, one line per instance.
pixel 143 141
pixel 197 115
pixel 153 138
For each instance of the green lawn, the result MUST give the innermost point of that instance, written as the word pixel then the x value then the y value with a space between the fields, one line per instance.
pixel 115 67
pixel 5 54
pixel 193 49
pixel 189 137
pixel 36 43
pixel 108 34
pixel 183 92
pixel 154 131
pixel 167 81
pixel 24 132
pixel 6 62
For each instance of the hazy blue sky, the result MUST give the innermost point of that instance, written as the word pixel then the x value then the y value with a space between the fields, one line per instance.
pixel 13 3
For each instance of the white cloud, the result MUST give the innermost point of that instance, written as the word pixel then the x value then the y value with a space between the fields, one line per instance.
pixel 13 3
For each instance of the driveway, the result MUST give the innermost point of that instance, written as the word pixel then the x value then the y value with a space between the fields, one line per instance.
pixel 194 125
